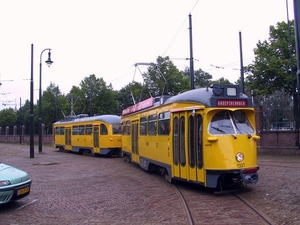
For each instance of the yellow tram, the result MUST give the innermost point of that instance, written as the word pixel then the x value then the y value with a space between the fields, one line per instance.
pixel 205 136
pixel 96 135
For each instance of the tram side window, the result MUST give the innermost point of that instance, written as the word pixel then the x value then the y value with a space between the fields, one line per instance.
pixel 143 126
pixel 116 129
pixel 81 129
pixel 57 130
pixel 62 131
pixel 152 124
pixel 126 128
pixel 75 130
pixel 164 123
pixel 103 129
pixel 88 129
pixel 128 125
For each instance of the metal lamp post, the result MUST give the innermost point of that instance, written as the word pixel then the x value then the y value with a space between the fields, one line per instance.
pixel 31 127
pixel 49 63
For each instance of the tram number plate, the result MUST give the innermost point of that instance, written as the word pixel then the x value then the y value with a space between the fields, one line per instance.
pixel 23 191
pixel 240 165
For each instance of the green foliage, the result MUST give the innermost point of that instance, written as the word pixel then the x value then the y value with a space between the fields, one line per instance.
pixel 274 67
pixel 7 117
pixel 94 97
pixel 201 78
pixel 164 78
pixel 51 100
pixel 131 94
pixel 221 80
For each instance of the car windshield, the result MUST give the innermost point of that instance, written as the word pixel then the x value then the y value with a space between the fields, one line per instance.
pixel 228 122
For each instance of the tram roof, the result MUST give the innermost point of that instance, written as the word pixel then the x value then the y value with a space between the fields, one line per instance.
pixel 113 119
pixel 206 96
pixel 217 95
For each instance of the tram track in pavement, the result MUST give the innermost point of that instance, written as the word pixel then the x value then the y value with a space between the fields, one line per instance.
pixel 185 205
pixel 262 215
pixel 202 206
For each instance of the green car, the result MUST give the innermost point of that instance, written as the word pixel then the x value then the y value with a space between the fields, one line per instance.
pixel 14 184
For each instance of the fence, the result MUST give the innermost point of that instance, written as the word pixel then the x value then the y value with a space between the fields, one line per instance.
pixel 8 136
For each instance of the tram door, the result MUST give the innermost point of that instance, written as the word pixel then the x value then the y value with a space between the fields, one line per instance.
pixel 96 141
pixel 195 147
pixel 187 146
pixel 179 146
pixel 68 144
pixel 134 141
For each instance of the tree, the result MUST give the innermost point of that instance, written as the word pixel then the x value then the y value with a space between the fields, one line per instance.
pixel 131 94
pixel 201 78
pixel 7 117
pixel 221 80
pixel 274 67
pixel 53 104
pixel 163 77
pixel 95 96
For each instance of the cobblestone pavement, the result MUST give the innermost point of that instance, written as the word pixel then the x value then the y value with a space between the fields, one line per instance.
pixel 74 189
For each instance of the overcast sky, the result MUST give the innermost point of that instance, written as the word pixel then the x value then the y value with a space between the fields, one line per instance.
pixel 107 38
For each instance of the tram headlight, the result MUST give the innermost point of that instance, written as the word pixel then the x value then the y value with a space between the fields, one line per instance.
pixel 239 157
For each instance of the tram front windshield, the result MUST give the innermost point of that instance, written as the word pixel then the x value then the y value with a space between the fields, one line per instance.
pixel 230 122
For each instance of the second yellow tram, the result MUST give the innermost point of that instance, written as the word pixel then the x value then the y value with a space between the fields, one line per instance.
pixel 95 135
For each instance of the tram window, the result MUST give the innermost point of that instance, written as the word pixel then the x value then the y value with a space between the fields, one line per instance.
pixel 126 128
pixel 228 122
pixel 242 123
pixel 116 129
pixel 81 129
pixel 152 128
pixel 75 130
pixel 128 124
pixel 164 115
pixel 164 127
pixel 152 124
pixel 61 130
pixel 57 130
pixel 221 123
pixel 143 125
pixel 103 129
pixel 88 129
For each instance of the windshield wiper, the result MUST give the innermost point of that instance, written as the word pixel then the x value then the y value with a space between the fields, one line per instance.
pixel 218 129
pixel 236 122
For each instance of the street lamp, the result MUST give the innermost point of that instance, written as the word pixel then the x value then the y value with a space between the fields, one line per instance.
pixel 49 63
pixel 31 127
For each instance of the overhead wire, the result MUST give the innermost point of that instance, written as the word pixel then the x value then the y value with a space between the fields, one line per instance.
pixel 169 46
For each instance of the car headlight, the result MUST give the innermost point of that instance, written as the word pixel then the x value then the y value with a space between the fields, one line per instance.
pixel 4 183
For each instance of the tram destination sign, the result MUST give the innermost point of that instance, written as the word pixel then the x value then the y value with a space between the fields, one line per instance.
pixel 231 103
pixel 139 106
